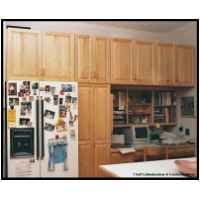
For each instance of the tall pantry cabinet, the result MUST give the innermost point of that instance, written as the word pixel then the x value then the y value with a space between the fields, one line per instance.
pixel 94 127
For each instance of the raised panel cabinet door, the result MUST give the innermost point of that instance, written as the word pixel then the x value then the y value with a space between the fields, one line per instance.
pixel 165 64
pixel 101 69
pixel 85 107
pixel 143 62
pixel 101 157
pixel 83 57
pixel 58 56
pixel 23 54
pixel 101 114
pixel 121 61
pixel 86 160
pixel 184 65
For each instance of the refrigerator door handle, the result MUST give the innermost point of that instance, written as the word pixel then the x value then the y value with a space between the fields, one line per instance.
pixel 42 129
pixel 37 131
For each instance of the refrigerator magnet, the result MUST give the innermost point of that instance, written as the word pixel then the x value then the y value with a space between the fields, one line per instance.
pixel 13 101
pixel 49 114
pixel 49 127
pixel 26 108
pixel 55 100
pixel 66 87
pixel 11 115
pixel 12 89
pixel 25 122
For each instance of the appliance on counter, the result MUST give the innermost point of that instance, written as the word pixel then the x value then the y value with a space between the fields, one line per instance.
pixel 42 129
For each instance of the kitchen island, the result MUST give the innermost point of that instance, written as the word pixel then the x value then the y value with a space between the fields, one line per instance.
pixel 147 169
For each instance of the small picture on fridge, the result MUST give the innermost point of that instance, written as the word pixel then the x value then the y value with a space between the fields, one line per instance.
pixel 12 89
pixel 47 99
pixel 66 87
pixel 61 126
pixel 24 89
pixel 49 127
pixel 52 90
pixel 74 100
pixel 35 86
pixel 60 101
pixel 68 99
pixel 13 101
pixel 47 88
pixel 26 108
pixel 25 122
pixel 49 114
pixel 55 100
pixel 62 111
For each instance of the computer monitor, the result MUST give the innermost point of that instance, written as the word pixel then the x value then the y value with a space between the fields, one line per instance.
pixel 140 134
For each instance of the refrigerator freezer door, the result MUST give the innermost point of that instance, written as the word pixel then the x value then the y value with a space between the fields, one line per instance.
pixel 22 132
pixel 60 129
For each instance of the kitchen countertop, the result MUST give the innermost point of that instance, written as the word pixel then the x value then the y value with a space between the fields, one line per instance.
pixel 159 168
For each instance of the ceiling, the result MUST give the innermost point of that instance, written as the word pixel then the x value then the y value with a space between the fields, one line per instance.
pixel 151 26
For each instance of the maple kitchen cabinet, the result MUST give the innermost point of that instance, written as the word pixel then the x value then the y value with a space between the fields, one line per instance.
pixel 142 63
pixel 58 56
pixel 184 65
pixel 100 71
pixel 86 160
pixel 24 58
pixel 121 54
pixel 102 156
pixel 94 126
pixel 165 64
pixel 92 64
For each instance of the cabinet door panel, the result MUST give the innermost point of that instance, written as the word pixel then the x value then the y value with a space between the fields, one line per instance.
pixel 101 113
pixel 101 157
pixel 85 114
pixel 59 56
pixel 86 160
pixel 120 61
pixel 184 65
pixel 165 64
pixel 143 59
pixel 84 57
pixel 23 54
pixel 100 69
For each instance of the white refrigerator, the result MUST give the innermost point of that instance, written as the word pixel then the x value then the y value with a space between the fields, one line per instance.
pixel 42 129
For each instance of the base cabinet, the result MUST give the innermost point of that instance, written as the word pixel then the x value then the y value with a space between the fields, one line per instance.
pixel 101 157
pixel 86 157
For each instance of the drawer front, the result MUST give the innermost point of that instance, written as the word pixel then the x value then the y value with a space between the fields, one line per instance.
pixel 117 157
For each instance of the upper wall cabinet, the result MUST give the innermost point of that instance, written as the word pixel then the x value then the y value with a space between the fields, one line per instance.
pixel 101 57
pixel 184 73
pixel 23 54
pixel 92 55
pixel 121 50
pixel 83 57
pixel 165 64
pixel 142 68
pixel 58 63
